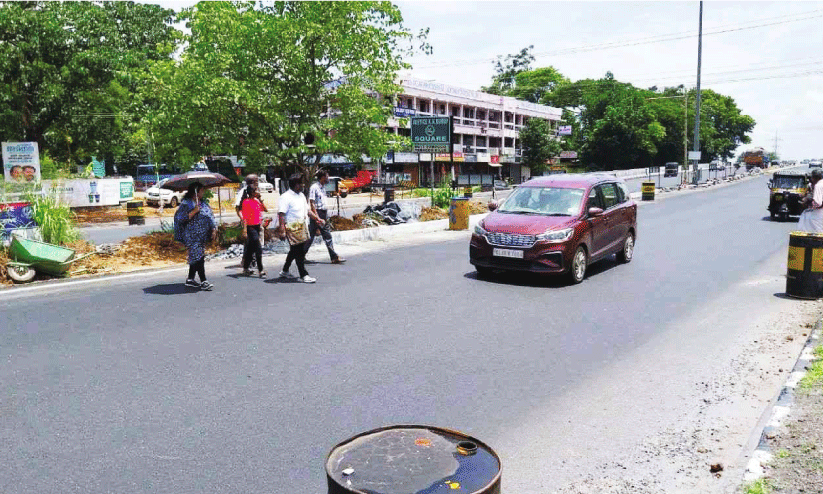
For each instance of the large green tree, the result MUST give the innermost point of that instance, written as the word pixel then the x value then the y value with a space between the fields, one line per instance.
pixel 283 82
pixel 506 70
pixel 67 71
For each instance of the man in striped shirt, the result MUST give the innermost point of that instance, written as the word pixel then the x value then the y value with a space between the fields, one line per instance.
pixel 317 202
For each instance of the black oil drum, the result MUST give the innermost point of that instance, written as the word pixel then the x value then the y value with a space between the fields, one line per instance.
pixel 134 210
pixel 804 276
pixel 413 459
pixel 388 196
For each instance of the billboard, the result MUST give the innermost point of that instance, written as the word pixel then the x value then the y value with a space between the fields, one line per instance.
pixel 91 192
pixel 564 130
pixel 431 132
pixel 21 162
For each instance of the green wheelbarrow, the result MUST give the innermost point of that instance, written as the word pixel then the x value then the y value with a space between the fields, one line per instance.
pixel 31 256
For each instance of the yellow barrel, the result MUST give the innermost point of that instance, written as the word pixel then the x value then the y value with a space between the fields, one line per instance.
pixel 134 210
pixel 804 274
pixel 459 213
pixel 647 189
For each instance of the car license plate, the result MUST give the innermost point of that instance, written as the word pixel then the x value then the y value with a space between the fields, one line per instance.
pixel 516 254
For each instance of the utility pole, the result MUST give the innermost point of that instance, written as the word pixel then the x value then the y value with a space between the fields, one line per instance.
pixel 697 106
pixel 775 143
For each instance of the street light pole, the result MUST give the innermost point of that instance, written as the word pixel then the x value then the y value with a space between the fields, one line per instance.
pixel 697 108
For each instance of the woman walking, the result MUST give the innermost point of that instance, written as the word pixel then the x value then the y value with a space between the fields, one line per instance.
pixel 251 209
pixel 293 215
pixel 200 228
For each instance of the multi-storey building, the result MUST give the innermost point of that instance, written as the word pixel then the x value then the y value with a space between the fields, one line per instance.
pixel 486 128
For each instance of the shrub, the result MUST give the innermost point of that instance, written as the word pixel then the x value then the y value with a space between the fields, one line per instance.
pixel 55 220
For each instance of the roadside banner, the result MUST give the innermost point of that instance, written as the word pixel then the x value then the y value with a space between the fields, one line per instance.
pixel 93 192
pixel 564 130
pixel 21 162
pixel 14 216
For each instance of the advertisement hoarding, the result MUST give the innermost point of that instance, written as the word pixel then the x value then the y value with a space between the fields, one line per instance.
pixel 431 132
pixel 91 192
pixel 21 162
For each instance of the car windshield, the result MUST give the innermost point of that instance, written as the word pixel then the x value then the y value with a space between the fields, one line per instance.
pixel 550 201
pixel 785 182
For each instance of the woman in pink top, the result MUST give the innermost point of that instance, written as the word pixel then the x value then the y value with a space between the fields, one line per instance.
pixel 252 209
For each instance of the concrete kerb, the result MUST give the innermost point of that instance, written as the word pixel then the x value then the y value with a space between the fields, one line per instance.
pixel 775 415
pixel 385 232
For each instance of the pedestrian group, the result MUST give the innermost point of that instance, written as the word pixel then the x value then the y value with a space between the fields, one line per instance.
pixel 300 221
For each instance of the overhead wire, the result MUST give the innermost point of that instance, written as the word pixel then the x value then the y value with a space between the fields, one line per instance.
pixel 802 16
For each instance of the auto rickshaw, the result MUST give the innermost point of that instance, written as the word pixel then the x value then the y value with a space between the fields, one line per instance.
pixel 786 190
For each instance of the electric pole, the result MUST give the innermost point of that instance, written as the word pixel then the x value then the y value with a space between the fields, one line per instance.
pixel 697 100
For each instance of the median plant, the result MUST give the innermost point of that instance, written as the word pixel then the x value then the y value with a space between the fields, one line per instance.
pixel 55 219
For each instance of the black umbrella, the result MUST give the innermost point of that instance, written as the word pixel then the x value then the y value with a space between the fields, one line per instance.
pixel 206 179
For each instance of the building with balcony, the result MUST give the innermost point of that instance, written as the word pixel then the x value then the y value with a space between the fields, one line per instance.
pixel 486 128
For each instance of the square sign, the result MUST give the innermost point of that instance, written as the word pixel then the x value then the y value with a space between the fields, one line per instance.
pixel 431 132
pixel 694 155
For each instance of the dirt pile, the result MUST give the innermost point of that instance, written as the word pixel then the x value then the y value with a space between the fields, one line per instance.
pixel 4 277
pixel 478 207
pixel 431 214
pixel 341 224
pixel 104 214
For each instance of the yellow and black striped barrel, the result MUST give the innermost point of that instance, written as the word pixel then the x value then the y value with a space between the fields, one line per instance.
pixel 804 277
pixel 647 191
pixel 134 210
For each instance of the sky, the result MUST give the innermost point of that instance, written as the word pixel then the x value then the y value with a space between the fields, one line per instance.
pixel 768 56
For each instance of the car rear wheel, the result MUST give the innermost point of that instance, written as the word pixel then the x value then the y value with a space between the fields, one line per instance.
pixel 173 202
pixel 626 254
pixel 580 262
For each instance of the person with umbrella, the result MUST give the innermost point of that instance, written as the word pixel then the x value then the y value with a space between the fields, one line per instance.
pixel 199 227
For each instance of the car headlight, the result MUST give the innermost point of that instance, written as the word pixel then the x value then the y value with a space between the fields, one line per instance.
pixel 478 230
pixel 556 235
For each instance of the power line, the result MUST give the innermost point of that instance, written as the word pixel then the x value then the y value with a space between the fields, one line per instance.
pixel 640 41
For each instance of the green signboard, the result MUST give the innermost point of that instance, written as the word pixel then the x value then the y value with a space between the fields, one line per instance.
pixel 431 133
pixel 98 167
pixel 126 190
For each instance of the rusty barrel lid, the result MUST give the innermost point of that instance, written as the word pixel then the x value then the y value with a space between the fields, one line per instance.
pixel 413 459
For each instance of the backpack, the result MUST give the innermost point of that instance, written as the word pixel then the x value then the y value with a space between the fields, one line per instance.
pixel 181 217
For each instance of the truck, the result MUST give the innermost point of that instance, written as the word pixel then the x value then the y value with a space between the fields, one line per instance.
pixel 755 158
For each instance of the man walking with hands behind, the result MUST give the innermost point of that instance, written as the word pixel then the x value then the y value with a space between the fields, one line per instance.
pixel 317 202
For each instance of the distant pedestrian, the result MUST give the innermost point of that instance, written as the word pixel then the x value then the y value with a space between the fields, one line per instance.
pixel 317 202
pixel 199 228
pixel 252 209
pixel 811 220
pixel 293 214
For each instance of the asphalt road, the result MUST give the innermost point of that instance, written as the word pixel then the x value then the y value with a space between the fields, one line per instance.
pixel 139 385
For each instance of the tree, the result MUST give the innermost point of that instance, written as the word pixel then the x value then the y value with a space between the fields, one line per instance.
pixel 280 75
pixel 67 69
pixel 539 144
pixel 533 85
pixel 506 71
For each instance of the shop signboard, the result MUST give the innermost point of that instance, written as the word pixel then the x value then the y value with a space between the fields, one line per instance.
pixel 564 130
pixel 431 133
pixel 483 157
pixel 406 157
pixel 98 167
pixel 495 160
pixel 21 162
pixel 403 112
pixel 471 158
pixel 456 157
pixel 568 155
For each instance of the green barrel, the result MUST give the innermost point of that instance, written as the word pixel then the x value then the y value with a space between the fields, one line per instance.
pixel 804 276
pixel 134 210
pixel 413 459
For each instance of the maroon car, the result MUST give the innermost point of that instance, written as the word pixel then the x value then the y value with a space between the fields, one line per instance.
pixel 557 224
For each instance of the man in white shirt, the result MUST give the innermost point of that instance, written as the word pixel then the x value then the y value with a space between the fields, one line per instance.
pixel 294 213
pixel 811 220
pixel 317 202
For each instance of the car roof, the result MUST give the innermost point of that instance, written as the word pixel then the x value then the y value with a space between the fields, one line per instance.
pixel 571 180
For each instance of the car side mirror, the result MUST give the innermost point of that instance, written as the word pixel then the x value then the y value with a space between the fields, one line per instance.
pixel 595 211
pixel 493 205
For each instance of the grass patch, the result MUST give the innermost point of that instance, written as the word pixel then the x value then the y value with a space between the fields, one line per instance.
pixel 761 486
pixel 782 454
pixel 814 377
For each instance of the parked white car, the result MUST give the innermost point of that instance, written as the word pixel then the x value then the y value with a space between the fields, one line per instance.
pixel 155 195
pixel 264 186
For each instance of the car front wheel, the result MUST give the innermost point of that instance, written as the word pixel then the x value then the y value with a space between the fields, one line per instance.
pixel 580 262
pixel 626 254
